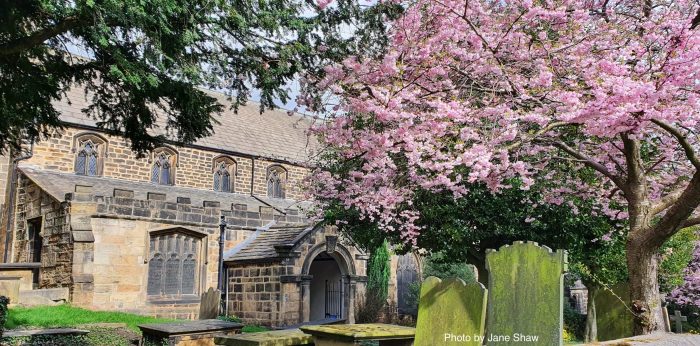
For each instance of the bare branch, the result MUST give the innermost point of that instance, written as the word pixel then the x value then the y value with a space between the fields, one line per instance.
pixel 591 163
pixel 21 44
pixel 689 151
pixel 691 221
pixel 666 201
pixel 539 132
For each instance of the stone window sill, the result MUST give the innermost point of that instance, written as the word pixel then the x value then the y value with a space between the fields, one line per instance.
pixel 183 299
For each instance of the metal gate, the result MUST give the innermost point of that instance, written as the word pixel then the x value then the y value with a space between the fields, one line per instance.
pixel 334 299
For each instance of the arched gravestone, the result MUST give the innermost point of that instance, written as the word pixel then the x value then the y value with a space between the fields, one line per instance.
pixel 450 311
pixel 406 275
pixel 526 295
pixel 614 320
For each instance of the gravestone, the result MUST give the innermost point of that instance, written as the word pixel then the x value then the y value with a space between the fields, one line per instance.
pixel 613 319
pixel 209 306
pixel 451 311
pixel 678 320
pixel 526 295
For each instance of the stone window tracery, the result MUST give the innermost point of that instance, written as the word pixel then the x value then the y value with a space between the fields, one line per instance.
pixel 276 180
pixel 163 169
pixel 173 264
pixel 224 174
pixel 89 155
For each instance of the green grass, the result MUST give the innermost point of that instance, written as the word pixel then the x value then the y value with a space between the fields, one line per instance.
pixel 69 316
pixel 254 329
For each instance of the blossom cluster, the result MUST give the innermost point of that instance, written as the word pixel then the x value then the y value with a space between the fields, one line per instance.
pixel 688 294
pixel 485 91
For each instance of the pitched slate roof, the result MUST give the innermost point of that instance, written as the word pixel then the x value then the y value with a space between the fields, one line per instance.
pixel 273 134
pixel 58 184
pixel 262 244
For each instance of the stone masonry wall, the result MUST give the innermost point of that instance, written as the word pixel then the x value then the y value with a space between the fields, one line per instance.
pixel 256 293
pixel 56 259
pixel 194 167
pixel 110 271
pixel 270 293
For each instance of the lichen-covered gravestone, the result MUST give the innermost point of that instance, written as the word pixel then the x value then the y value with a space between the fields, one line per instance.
pixel 450 311
pixel 614 320
pixel 209 305
pixel 526 290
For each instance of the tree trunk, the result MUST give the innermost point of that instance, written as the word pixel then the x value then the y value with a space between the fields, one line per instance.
pixel 478 260
pixel 591 333
pixel 642 263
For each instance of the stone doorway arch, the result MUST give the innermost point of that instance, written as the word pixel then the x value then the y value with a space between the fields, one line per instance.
pixel 332 262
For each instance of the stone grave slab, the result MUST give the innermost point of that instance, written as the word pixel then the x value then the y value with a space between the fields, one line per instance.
pixel 613 319
pixel 188 333
pixel 525 296
pixel 43 332
pixel 286 337
pixel 356 334
pixel 451 311
pixel 209 305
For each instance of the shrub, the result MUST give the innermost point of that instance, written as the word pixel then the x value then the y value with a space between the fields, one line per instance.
pixel 370 307
pixel 574 322
pixel 4 301
pixel 231 318
pixel 440 266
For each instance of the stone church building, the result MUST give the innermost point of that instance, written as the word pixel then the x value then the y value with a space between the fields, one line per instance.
pixel 141 235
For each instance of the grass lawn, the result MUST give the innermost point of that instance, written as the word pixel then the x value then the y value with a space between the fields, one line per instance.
pixel 69 316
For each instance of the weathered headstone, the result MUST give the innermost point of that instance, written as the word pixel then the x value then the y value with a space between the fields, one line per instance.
pixel 451 311
pixel 614 320
pixel 525 297
pixel 209 306
pixel 678 320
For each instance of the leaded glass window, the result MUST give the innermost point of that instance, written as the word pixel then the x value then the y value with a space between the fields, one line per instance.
pixel 162 170
pixel 222 176
pixel 276 177
pixel 173 262
pixel 87 161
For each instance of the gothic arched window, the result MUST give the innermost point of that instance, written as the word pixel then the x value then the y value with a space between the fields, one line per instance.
pixel 276 179
pixel 163 170
pixel 224 173
pixel 89 154
pixel 174 263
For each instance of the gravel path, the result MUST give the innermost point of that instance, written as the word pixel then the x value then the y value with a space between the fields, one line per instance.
pixel 665 339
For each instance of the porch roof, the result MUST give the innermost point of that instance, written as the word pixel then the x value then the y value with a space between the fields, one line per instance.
pixel 268 244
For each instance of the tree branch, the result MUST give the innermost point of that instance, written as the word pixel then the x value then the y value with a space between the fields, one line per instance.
pixel 591 163
pixel 689 151
pixel 679 215
pixel 666 201
pixel 691 221
pixel 696 20
pixel 539 132
pixel 21 44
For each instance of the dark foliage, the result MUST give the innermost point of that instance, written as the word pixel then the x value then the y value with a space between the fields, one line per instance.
pixel 152 56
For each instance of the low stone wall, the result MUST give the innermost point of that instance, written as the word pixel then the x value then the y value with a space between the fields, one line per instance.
pixel 257 295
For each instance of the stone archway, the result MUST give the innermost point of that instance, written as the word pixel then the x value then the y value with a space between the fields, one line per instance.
pixel 326 288
pixel 332 262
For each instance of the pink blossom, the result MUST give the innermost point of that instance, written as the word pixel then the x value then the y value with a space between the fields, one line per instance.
pixel 486 91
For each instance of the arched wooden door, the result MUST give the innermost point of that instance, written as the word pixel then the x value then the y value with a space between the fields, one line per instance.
pixel 407 273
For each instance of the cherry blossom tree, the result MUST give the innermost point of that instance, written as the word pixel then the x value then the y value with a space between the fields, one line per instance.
pixel 597 99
